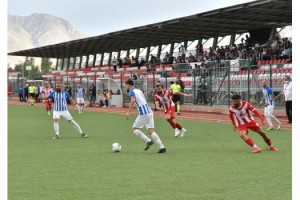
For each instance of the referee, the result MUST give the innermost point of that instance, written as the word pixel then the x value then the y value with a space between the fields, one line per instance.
pixel 287 91
pixel 176 98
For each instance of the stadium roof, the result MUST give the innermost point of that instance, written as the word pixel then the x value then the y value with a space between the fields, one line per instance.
pixel 220 22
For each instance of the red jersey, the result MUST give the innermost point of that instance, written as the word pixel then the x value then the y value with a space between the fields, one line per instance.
pixel 47 91
pixel 165 99
pixel 242 115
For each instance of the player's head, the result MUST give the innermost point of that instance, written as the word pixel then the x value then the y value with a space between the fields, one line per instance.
pixel 287 79
pixel 129 84
pixel 78 85
pixel 236 100
pixel 158 89
pixel 58 88
pixel 265 83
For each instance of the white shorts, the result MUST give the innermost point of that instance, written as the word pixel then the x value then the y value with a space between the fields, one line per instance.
pixel 144 120
pixel 65 114
pixel 80 100
pixel 269 110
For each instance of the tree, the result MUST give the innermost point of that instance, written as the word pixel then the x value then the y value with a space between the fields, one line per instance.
pixel 46 65
pixel 29 74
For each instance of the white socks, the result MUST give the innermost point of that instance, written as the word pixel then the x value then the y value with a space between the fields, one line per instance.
pixel 141 135
pixel 76 126
pixel 56 128
pixel 156 138
pixel 268 118
pixel 275 118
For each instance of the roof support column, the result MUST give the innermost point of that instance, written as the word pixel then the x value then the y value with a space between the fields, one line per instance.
pixel 232 40
pixel 87 61
pixel 80 62
pixel 94 60
pixel 101 60
pixel 68 63
pixel 159 50
pixel 185 44
pixel 74 62
pixel 137 53
pixel 171 49
pixel 56 66
pixel 127 53
pixel 215 42
pixel 147 54
pixel 62 64
pixel 109 58
pixel 119 55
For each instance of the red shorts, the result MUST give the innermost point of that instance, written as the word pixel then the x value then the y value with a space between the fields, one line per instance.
pixel 171 111
pixel 251 125
pixel 47 102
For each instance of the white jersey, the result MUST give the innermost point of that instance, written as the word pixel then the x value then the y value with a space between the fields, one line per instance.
pixel 140 101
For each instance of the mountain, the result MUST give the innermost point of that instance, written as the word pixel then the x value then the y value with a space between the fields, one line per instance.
pixel 38 30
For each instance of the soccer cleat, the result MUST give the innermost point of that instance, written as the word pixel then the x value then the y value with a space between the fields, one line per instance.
pixel 273 148
pixel 278 127
pixel 56 137
pixel 183 132
pixel 270 128
pixel 49 113
pixel 177 132
pixel 83 135
pixel 163 150
pixel 256 150
pixel 148 145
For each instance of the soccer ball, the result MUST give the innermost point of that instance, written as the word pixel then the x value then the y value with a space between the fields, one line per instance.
pixel 116 147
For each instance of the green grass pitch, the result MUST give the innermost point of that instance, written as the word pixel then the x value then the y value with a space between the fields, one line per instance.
pixel 211 163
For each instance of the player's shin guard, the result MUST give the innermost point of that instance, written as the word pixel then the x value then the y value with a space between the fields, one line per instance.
pixel 250 142
pixel 76 126
pixel 157 140
pixel 140 134
pixel 172 123
pixel 56 128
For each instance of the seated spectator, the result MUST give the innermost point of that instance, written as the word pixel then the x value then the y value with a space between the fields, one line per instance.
pixel 285 54
pixel 142 63
pixel 118 92
pixel 192 58
pixel 190 71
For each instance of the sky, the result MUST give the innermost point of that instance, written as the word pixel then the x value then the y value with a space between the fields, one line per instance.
pixel 96 17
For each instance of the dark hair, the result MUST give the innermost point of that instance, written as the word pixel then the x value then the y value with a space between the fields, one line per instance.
pixel 236 97
pixel 129 82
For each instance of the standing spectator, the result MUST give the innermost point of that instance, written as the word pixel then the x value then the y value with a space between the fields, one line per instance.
pixel 180 82
pixel 114 63
pixel 92 92
pixel 142 63
pixel 68 89
pixel 26 93
pixel 183 53
pixel 9 92
pixel 20 92
pixel 287 91
pixel 106 95
pixel 201 92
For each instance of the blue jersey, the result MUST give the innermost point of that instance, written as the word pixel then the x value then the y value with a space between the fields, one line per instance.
pixel 60 100
pixel 80 92
pixel 140 101
pixel 268 92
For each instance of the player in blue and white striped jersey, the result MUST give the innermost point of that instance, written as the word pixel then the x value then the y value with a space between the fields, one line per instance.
pixel 145 117
pixel 269 105
pixel 60 98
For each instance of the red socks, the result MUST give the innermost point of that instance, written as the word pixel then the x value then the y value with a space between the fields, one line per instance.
pixel 178 126
pixel 269 142
pixel 250 142
pixel 172 123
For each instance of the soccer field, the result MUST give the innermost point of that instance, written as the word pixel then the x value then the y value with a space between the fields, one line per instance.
pixel 211 163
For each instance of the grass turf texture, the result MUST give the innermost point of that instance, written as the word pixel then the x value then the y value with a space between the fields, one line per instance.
pixel 211 163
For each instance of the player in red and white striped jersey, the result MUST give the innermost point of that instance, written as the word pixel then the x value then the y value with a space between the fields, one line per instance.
pixel 46 91
pixel 242 120
pixel 164 97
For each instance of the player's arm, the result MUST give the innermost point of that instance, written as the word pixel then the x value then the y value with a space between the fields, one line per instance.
pixel 182 94
pixel 157 106
pixel 262 101
pixel 44 97
pixel 132 101
pixel 256 112
pixel 232 120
